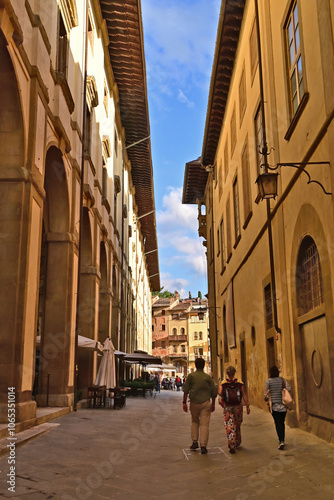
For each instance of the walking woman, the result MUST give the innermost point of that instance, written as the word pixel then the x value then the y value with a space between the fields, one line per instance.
pixel 273 390
pixel 232 394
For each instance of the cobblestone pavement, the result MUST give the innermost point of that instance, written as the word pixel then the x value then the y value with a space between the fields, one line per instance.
pixel 142 452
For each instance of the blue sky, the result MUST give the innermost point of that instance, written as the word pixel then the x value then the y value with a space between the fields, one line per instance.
pixel 179 38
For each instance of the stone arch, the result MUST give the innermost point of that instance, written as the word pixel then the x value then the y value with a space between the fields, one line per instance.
pixel 11 119
pixel 56 378
pixel 87 301
pixel 312 331
pixel 56 211
pixel 86 245
pixel 104 296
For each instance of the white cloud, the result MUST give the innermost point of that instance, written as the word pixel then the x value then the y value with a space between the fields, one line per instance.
pixel 179 41
pixel 178 234
pixel 184 99
pixel 174 214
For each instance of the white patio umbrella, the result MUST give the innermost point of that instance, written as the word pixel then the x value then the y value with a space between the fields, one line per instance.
pixel 106 374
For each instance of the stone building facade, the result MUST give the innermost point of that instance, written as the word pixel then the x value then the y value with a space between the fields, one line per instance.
pixel 270 263
pixel 77 201
pixel 180 332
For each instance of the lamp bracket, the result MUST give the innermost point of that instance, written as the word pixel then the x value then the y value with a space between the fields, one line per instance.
pixel 301 166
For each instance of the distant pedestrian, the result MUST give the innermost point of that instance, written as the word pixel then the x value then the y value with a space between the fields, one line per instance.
pixel 232 395
pixel 201 388
pixel 273 391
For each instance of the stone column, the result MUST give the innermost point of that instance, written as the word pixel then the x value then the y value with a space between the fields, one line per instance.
pixel 20 221
pixel 89 284
pixel 56 379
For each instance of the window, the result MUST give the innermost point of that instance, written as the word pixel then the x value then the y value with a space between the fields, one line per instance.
pixel 90 32
pixel 182 331
pixel 183 348
pixel 174 331
pixel 268 307
pixel 309 277
pixel 174 348
pixel 152 328
pixel 228 229
pixel 195 336
pixel 200 336
pixel 105 98
pixel 163 312
pixel 116 143
pixel 220 178
pixel 225 336
pixel 163 327
pixel 242 95
pixel 88 131
pixel 258 138
pixel 218 242
pixel 296 81
pixel 233 132
pixel 200 351
pixel 253 50
pixel 163 344
pixel 62 46
pixel 222 245
pixel 246 184
pixel 236 210
pixel 104 180
pixel 226 159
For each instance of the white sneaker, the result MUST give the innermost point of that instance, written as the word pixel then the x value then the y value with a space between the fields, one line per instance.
pixel 281 446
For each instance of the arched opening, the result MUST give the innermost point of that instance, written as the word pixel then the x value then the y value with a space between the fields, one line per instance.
pixel 11 120
pixel 56 297
pixel 308 277
pixel 104 297
pixel 313 331
pixel 87 295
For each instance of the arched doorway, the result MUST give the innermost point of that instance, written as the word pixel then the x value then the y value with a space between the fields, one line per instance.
pixel 18 272
pixel 87 300
pixel 313 331
pixel 56 366
pixel 104 297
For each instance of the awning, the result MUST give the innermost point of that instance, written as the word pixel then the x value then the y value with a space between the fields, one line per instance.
pixel 162 367
pixel 83 342
pixel 142 358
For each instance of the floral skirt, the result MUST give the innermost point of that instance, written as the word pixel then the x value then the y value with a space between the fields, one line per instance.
pixel 232 420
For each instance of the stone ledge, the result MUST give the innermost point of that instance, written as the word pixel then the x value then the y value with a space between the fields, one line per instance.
pixel 23 437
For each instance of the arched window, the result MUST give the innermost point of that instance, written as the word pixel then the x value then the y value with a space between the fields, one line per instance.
pixel 174 331
pixel 308 277
pixel 182 331
pixel 195 335
pixel 200 336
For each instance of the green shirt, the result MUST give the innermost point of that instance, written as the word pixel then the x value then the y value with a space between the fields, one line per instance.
pixel 200 387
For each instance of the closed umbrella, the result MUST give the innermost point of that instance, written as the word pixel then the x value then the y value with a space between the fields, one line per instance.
pixel 106 374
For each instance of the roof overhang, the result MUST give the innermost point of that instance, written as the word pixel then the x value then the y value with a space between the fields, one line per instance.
pixel 126 51
pixel 195 177
pixel 230 20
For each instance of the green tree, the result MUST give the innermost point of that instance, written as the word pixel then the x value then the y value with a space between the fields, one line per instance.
pixel 163 295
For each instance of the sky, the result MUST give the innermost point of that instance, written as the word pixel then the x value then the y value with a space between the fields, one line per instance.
pixel 179 41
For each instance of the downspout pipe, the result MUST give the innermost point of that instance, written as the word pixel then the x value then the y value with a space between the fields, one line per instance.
pixel 84 113
pixel 264 152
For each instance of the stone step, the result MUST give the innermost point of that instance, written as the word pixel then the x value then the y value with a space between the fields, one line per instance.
pixel 10 443
pixel 42 415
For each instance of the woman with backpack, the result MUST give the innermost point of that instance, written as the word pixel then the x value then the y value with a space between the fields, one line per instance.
pixel 232 394
pixel 273 392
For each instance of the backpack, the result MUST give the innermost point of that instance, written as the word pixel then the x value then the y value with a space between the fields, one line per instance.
pixel 232 394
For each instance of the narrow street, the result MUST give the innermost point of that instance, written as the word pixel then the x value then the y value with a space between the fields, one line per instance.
pixel 142 452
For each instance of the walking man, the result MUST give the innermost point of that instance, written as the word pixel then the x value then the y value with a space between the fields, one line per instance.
pixel 201 388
